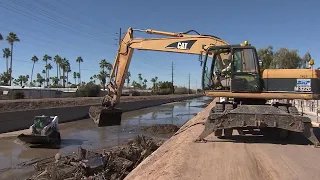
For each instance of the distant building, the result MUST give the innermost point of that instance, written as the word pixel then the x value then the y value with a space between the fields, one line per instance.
pixel 30 92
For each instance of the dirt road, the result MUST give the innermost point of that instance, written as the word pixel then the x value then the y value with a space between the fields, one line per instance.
pixel 239 158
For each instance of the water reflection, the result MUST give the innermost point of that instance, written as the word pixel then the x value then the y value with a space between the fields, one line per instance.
pixel 174 113
pixel 85 133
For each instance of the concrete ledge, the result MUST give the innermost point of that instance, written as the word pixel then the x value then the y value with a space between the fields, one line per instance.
pixel 177 153
pixel 13 121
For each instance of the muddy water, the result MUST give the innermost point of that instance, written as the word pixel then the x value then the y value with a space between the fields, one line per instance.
pixel 86 134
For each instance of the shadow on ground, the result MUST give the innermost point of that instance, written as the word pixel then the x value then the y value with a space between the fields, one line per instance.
pixel 293 139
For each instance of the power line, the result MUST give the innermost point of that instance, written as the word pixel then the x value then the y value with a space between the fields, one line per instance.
pixel 81 12
pixel 189 84
pixel 54 9
pixel 172 78
pixel 44 21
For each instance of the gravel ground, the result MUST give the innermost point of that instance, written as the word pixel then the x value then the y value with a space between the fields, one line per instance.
pixel 30 104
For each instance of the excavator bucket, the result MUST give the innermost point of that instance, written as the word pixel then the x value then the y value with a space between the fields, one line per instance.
pixel 103 116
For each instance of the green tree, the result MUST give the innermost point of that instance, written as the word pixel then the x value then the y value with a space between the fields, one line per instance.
pixel 48 68
pixel 6 55
pixel 103 64
pixel 153 80
pixel 140 78
pixel 57 60
pixel 22 80
pixel 305 60
pixel 68 70
pixel 12 38
pixel 4 79
pixel 64 66
pixel 102 76
pixel 79 78
pixel 34 59
pixel 79 60
pixel 75 77
pixel 287 59
pixel 145 83
pixel 266 55
pixel 128 78
pixel 55 81
pixel 44 76
pixel 45 59
pixel 40 79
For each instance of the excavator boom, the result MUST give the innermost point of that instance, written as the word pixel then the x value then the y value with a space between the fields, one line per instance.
pixel 184 43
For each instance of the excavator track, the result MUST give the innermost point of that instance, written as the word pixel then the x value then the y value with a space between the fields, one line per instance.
pixel 267 120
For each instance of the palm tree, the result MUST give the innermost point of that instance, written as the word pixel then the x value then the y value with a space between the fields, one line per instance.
pixel 109 66
pixel 156 84
pixel 64 64
pixel 68 70
pixel 11 38
pixel 75 77
pixel 22 80
pixel 6 54
pixel 45 59
pixel 34 59
pixel 145 83
pixel 102 77
pixel 103 64
pixel 128 78
pixel 79 80
pixel 57 60
pixel 44 75
pixel 48 68
pixel 40 79
pixel 140 78
pixel 79 60
pixel 153 80
pixel 55 80
pixel 4 78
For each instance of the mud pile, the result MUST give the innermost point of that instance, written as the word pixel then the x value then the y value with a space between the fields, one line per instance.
pixel 161 129
pixel 116 163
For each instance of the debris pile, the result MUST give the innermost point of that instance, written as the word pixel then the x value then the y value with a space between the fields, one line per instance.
pixel 161 129
pixel 84 164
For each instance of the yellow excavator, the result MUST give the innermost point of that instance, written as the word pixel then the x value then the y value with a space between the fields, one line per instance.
pixel 232 72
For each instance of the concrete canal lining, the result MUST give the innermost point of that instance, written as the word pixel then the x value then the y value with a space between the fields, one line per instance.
pixel 18 120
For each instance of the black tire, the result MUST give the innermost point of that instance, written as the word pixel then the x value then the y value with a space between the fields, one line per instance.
pixel 228 132
pixel 218 132
pixel 58 137
pixel 55 137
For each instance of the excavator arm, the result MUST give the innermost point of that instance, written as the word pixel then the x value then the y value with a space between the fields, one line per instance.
pixel 171 42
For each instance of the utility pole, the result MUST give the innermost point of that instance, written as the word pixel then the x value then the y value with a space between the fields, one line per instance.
pixel 172 78
pixel 196 87
pixel 119 36
pixel 189 84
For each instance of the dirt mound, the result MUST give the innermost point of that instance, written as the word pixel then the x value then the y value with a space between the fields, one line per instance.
pixel 161 129
pixel 113 164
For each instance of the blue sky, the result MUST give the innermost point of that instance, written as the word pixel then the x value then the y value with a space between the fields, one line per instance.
pixel 72 28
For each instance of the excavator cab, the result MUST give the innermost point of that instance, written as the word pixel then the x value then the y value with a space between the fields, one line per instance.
pixel 232 68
